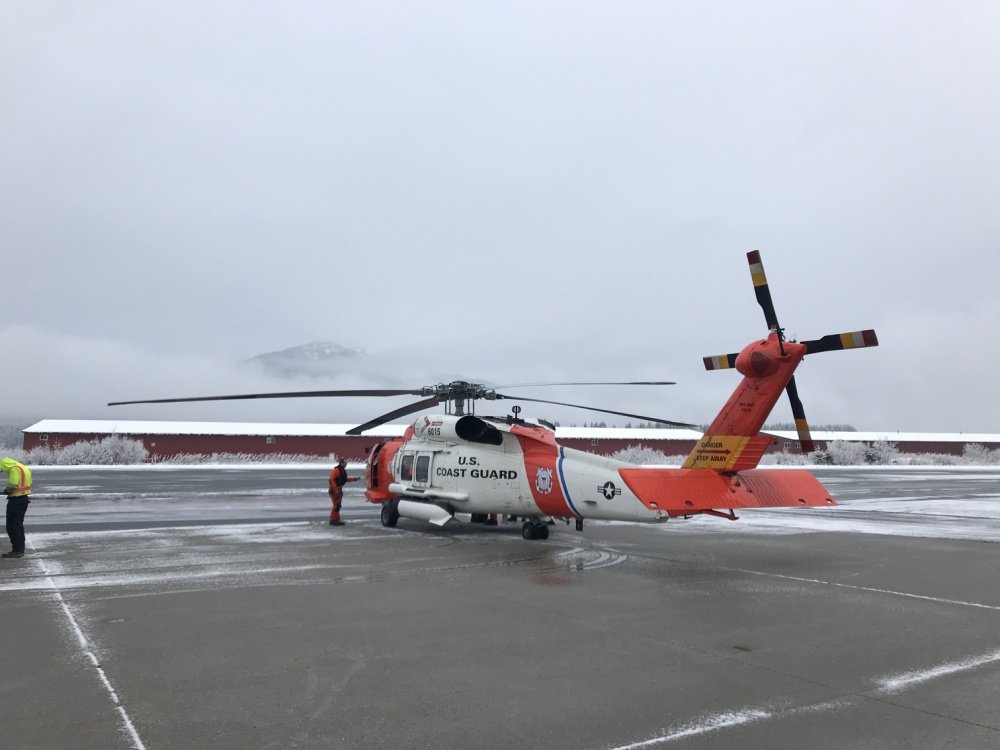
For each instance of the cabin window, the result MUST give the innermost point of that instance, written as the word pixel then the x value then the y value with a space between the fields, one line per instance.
pixel 406 467
pixel 423 468
pixel 270 440
pixel 43 438
pixel 593 441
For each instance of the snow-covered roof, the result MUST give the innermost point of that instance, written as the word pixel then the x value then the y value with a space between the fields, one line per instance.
pixel 132 427
pixel 626 433
pixel 895 437
pixel 305 429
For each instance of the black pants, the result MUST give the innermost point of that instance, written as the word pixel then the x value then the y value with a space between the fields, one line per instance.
pixel 16 508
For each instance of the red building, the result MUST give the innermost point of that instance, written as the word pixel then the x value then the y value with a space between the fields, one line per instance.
pixel 167 439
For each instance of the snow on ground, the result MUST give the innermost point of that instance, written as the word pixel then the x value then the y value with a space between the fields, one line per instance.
pixel 942 502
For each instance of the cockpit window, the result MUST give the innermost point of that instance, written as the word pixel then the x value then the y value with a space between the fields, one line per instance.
pixel 406 467
pixel 475 430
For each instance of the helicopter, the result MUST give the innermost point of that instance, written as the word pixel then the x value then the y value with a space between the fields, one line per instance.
pixel 461 463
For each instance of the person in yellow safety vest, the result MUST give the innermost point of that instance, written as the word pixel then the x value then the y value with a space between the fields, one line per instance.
pixel 17 491
pixel 338 478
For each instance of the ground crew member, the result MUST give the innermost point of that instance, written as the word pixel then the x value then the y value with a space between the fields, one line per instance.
pixel 17 491
pixel 338 478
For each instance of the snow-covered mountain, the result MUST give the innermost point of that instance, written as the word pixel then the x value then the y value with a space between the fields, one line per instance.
pixel 316 359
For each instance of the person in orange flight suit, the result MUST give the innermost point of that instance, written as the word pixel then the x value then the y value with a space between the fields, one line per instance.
pixel 338 478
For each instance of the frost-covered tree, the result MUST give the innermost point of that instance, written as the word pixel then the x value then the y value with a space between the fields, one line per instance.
pixel 243 458
pixel 109 451
pixel 881 452
pixel 644 455
pixel 785 458
pixel 11 437
pixel 980 455
pixel 842 453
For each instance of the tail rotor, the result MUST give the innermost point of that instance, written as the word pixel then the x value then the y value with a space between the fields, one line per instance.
pixel 831 342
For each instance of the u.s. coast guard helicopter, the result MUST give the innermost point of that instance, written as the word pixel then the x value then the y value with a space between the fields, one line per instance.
pixel 462 463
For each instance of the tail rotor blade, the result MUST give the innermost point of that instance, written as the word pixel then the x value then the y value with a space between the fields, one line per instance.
pixel 836 341
pixel 801 425
pixel 720 362
pixel 761 290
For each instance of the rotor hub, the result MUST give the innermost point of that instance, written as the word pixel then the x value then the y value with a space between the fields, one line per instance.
pixel 758 360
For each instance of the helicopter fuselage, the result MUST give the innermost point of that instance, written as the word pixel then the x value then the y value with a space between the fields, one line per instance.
pixel 474 465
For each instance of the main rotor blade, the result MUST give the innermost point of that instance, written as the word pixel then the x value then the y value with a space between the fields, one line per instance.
pixel 593 408
pixel 801 425
pixel 427 403
pixel 630 382
pixel 290 394
pixel 835 341
pixel 761 290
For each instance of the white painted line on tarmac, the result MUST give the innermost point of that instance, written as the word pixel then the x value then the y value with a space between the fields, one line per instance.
pixel 727 719
pixel 959 602
pixel 711 724
pixel 110 579
pixel 886 685
pixel 89 653
pixel 902 681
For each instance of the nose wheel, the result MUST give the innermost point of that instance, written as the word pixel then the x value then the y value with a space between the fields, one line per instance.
pixel 534 530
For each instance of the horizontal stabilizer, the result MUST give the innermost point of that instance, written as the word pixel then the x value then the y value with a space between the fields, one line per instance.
pixel 685 491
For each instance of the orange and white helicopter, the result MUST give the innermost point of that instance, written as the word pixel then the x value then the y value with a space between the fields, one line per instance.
pixel 458 462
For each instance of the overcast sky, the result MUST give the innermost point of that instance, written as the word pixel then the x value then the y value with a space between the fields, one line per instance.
pixel 505 191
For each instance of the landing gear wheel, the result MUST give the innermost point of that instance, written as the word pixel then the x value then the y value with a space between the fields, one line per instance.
pixel 390 513
pixel 534 530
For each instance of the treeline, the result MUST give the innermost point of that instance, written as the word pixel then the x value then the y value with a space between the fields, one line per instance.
pixel 110 451
pixel 122 451
pixel 790 427
pixel 118 450
pixel 10 435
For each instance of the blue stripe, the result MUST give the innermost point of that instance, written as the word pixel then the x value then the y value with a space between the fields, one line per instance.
pixel 562 483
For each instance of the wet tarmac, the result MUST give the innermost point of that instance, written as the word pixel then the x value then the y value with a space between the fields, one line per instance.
pixel 217 609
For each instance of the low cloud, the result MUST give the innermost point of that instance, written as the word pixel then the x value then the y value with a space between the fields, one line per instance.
pixel 933 376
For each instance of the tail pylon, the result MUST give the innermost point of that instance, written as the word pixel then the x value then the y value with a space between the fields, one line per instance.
pixel 733 441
